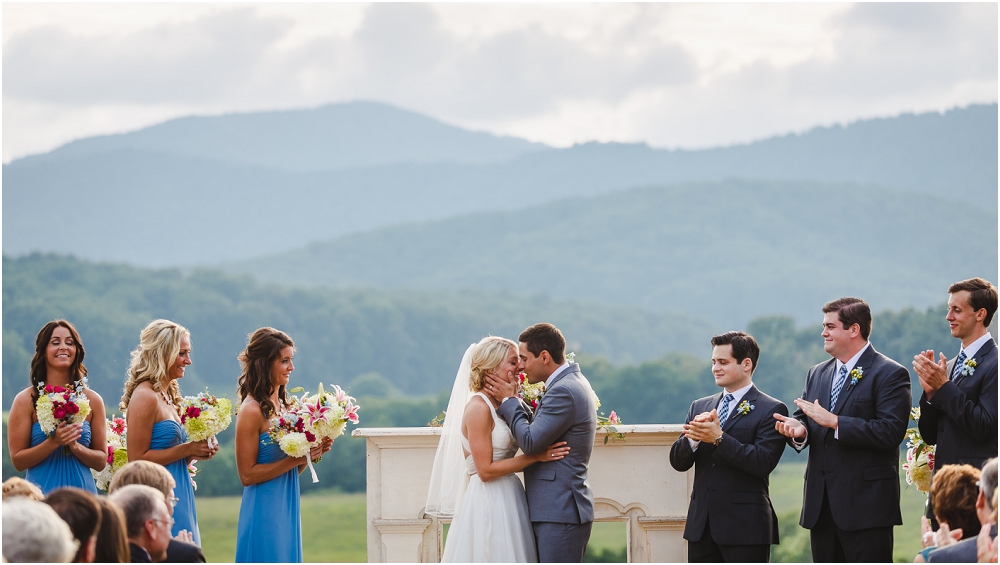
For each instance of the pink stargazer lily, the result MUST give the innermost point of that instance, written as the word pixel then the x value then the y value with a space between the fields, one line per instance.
pixel 316 411
pixel 352 414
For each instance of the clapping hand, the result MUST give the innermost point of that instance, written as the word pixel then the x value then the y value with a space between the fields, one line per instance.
pixel 704 427
pixel 184 536
pixel 931 375
pixel 820 415
pixel 944 536
pixel 986 544
pixel 789 427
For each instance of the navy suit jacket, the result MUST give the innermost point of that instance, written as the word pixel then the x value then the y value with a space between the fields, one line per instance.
pixel 961 418
pixel 731 481
pixel 859 472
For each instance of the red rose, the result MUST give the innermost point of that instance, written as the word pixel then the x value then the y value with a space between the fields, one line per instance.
pixel 193 411
pixel 72 408
pixel 48 389
pixel 111 454
pixel 59 413
pixel 310 437
pixel 58 388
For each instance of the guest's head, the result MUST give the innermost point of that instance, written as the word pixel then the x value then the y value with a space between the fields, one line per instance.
pixel 492 355
pixel 57 346
pixel 161 357
pixel 16 486
pixel 847 323
pixel 147 521
pixel 954 491
pixel 147 473
pixel 986 501
pixel 266 364
pixel 81 511
pixel 542 348
pixel 734 359
pixel 34 533
pixel 112 539
pixel 971 306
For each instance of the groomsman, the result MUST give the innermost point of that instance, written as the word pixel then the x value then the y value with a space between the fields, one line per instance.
pixel 852 415
pixel 958 407
pixel 729 439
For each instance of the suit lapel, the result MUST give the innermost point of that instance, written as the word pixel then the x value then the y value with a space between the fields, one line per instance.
pixel 824 384
pixel 571 369
pixel 750 397
pixel 978 358
pixel 864 366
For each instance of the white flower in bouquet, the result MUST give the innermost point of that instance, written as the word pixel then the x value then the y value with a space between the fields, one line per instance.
pixel 57 404
pixel 295 444
pixel 117 453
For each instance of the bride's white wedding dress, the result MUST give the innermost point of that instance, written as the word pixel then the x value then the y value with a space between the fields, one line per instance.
pixel 492 523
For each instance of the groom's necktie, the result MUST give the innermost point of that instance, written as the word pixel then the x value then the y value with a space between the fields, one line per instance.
pixel 957 369
pixel 837 386
pixel 724 411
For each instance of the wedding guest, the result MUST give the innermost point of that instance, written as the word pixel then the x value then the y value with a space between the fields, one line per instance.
pixel 147 522
pixel 151 398
pixel 16 486
pixel 181 549
pixel 112 540
pixel 65 457
pixel 966 551
pixel 80 510
pixel 958 406
pixel 269 526
pixel 986 541
pixel 731 441
pixel 852 415
pixel 954 490
pixel 34 533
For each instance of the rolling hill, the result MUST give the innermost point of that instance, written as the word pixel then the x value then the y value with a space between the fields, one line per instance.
pixel 727 251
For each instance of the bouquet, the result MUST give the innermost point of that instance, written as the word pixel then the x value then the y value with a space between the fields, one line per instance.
pixel 289 432
pixel 117 452
pixel 607 423
pixel 530 393
pixel 205 415
pixel 327 413
pixel 919 456
pixel 57 404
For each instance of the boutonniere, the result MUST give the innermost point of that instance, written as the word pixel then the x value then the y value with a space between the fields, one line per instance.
pixel 856 375
pixel 744 408
pixel 968 368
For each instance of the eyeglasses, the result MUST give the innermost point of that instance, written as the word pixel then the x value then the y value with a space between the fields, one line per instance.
pixel 172 501
pixel 169 521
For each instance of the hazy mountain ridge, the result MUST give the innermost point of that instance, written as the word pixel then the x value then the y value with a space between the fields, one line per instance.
pixel 730 251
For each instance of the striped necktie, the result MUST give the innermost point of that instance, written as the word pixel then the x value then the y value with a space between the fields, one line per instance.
pixel 957 369
pixel 724 411
pixel 837 386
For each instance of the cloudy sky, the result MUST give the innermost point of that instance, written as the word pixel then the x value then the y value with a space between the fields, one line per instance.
pixel 672 75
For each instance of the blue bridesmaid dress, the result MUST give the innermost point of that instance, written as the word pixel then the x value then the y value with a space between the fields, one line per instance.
pixel 166 434
pixel 270 526
pixel 61 469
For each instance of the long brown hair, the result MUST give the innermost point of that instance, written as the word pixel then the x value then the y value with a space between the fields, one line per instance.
pixel 263 348
pixel 112 539
pixel 76 370
pixel 159 345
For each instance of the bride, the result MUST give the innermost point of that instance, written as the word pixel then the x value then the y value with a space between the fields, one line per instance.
pixel 473 478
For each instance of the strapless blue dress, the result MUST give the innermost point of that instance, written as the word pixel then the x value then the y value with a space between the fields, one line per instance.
pixel 270 526
pixel 166 434
pixel 61 469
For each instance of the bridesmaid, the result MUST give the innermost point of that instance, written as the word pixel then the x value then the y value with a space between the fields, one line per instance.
pixel 65 458
pixel 151 402
pixel 270 527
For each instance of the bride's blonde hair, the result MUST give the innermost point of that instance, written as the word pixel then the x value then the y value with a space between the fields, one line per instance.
pixel 159 345
pixel 488 354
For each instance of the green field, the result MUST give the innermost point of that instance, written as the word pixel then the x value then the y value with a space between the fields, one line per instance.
pixel 333 525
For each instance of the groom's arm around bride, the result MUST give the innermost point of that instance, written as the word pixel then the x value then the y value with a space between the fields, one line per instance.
pixel 560 501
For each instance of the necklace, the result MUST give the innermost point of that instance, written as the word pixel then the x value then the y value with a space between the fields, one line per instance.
pixel 168 400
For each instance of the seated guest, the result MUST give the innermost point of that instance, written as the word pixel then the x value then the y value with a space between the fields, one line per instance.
pixel 16 486
pixel 80 510
pixel 181 548
pixel 112 541
pixel 34 533
pixel 147 521
pixel 965 550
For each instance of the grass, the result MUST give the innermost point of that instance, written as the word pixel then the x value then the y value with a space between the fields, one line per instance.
pixel 333 528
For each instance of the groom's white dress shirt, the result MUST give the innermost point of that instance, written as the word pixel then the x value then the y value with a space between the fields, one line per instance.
pixel 558 370
pixel 737 396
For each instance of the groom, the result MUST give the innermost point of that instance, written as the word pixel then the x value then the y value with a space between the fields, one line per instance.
pixel 560 502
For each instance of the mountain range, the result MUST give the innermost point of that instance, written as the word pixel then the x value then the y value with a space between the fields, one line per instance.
pixel 209 190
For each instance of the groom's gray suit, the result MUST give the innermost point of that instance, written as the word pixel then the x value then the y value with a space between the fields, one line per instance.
pixel 560 502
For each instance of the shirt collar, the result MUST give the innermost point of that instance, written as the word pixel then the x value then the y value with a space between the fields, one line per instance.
pixel 558 370
pixel 853 360
pixel 737 396
pixel 975 346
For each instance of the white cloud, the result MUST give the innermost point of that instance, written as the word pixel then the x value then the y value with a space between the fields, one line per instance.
pixel 675 75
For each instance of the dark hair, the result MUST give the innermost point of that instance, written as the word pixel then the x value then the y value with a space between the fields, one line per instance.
pixel 42 342
pixel 852 311
pixel 80 510
pixel 744 345
pixel 545 337
pixel 112 539
pixel 263 347
pixel 954 490
pixel 982 294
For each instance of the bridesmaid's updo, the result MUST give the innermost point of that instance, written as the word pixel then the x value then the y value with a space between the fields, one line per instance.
pixel 159 346
pixel 487 356
pixel 263 347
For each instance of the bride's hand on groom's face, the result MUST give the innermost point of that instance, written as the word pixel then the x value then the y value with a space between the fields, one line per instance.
pixel 500 387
